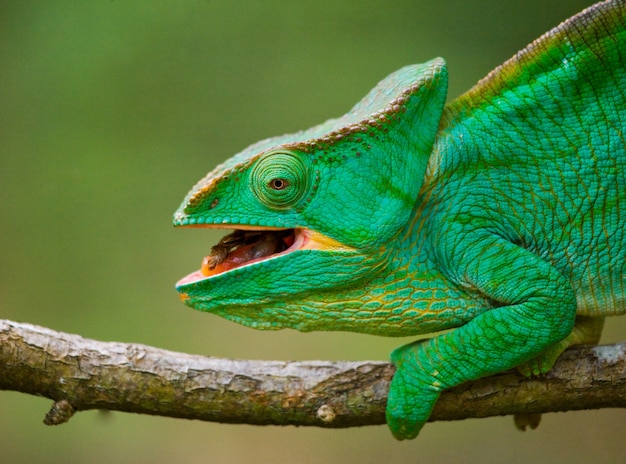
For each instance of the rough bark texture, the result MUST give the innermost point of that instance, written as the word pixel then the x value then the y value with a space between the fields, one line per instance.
pixel 81 374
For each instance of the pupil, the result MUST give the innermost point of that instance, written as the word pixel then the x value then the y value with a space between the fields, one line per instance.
pixel 278 184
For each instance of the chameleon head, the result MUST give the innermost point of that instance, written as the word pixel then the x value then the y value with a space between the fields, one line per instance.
pixel 316 212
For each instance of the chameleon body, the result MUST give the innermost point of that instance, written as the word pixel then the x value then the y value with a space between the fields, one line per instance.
pixel 501 216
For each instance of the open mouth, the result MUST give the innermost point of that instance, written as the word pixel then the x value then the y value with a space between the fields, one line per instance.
pixel 246 246
pixel 242 247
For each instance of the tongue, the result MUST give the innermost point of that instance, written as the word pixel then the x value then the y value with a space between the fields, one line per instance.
pixel 239 256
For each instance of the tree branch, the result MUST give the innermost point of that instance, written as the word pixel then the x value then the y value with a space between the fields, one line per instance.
pixel 81 374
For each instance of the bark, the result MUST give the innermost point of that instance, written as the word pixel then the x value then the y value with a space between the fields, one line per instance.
pixel 80 374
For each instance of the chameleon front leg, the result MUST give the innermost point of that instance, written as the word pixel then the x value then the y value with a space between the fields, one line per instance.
pixel 535 308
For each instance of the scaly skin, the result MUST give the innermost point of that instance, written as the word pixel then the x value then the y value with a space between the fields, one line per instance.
pixel 501 215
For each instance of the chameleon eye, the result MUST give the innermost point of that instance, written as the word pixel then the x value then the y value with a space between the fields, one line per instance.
pixel 280 179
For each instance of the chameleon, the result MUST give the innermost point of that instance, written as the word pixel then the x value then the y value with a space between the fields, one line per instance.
pixel 498 219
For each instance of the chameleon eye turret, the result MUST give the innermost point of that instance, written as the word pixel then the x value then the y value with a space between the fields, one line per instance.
pixel 280 180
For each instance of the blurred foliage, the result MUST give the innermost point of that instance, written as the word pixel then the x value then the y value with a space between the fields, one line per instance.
pixel 111 110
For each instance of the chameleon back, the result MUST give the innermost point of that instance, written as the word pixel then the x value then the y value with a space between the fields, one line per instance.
pixel 539 144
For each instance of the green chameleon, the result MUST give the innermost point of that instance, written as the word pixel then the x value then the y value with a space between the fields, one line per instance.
pixel 501 216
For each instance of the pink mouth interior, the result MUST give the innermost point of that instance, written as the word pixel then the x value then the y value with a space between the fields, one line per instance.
pixel 268 244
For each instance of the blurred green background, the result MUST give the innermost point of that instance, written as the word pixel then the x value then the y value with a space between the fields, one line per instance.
pixel 111 110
